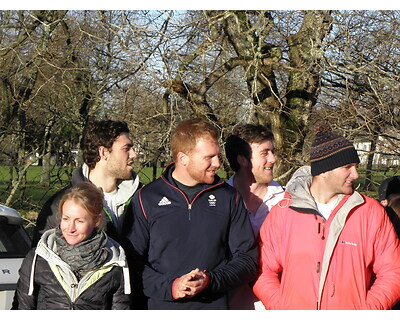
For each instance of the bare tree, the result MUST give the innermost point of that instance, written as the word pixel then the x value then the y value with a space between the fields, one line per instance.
pixel 25 33
pixel 284 69
pixel 361 81
pixel 281 69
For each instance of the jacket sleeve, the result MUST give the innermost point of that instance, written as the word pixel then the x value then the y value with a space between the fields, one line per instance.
pixel 135 261
pixel 120 300
pixel 267 286
pixel 242 265
pixel 23 301
pixel 137 238
pixel 153 283
pixel 385 291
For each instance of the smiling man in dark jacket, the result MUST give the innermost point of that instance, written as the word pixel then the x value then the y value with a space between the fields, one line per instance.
pixel 191 228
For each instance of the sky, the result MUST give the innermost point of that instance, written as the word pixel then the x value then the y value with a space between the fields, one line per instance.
pixel 198 4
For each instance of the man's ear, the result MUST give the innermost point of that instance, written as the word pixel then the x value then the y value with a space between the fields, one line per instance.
pixel 242 160
pixel 182 158
pixel 103 153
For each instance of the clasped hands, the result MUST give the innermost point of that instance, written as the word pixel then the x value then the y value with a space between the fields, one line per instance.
pixel 190 284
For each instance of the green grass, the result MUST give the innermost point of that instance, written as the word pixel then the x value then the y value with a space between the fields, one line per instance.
pixel 146 174
pixel 30 198
pixel 378 175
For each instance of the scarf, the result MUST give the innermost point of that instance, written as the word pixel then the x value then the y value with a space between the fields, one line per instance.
pixel 85 256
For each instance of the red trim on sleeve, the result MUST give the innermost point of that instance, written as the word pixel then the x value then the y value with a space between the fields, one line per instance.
pixel 141 204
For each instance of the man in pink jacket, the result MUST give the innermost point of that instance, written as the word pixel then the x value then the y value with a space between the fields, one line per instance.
pixel 326 246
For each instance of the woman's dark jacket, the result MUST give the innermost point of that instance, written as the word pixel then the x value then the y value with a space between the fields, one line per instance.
pixel 47 283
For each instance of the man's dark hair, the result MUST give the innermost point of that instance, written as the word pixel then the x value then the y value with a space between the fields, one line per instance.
pixel 238 143
pixel 389 186
pixel 99 133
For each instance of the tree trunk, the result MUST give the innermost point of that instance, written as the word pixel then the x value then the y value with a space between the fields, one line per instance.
pixel 46 170
pixel 19 179
pixel 368 185
pixel 46 155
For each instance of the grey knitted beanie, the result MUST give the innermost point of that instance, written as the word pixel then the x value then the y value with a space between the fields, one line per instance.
pixel 330 150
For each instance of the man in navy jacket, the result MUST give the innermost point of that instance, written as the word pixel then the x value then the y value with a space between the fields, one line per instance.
pixel 191 228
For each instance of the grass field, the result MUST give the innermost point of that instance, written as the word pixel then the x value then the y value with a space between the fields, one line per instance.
pixel 29 200
pixel 35 195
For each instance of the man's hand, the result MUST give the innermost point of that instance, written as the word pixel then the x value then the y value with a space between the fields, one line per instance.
pixel 190 284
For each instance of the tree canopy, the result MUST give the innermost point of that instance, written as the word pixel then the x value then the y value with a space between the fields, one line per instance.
pixel 284 69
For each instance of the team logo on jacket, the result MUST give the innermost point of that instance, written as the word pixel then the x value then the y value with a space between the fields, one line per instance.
pixel 212 201
pixel 164 202
pixel 349 243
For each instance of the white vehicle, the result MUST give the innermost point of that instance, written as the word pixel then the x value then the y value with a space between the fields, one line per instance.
pixel 14 245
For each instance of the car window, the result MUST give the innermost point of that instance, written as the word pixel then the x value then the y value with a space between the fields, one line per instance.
pixel 13 242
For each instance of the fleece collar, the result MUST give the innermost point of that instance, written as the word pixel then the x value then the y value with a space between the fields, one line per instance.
pixel 47 249
pixel 125 188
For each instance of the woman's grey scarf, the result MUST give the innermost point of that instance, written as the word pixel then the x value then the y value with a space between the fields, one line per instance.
pixel 84 256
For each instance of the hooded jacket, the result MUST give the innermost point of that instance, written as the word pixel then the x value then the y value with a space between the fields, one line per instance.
pixel 175 236
pixel 49 219
pixel 47 282
pixel 350 261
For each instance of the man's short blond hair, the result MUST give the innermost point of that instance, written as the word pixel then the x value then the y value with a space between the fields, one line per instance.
pixel 188 132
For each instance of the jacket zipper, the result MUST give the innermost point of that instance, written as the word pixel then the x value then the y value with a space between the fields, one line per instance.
pixel 323 230
pixel 319 227
pixel 74 287
pixel 77 287
pixel 108 215
pixel 190 204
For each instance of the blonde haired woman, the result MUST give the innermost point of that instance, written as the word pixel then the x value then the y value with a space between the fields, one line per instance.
pixel 75 266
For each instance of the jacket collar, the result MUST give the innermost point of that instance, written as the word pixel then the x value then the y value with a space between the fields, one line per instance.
pixel 301 198
pixel 299 190
pixel 125 188
pixel 47 249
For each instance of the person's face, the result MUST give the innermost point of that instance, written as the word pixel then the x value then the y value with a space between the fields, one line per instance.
pixel 76 223
pixel 203 161
pixel 340 180
pixel 121 158
pixel 262 161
